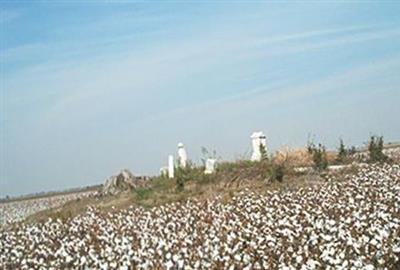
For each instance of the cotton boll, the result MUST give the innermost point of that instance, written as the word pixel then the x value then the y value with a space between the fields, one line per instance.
pixel 299 259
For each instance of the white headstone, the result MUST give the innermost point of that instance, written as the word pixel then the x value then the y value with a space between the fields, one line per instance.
pixel 182 155
pixel 164 171
pixel 210 166
pixel 171 166
pixel 258 139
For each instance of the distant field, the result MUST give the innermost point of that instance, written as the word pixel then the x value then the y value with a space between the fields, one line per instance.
pixel 49 194
pixel 19 209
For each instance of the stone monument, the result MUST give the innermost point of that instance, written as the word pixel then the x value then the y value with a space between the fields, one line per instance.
pixel 164 171
pixel 171 166
pixel 210 166
pixel 258 139
pixel 182 155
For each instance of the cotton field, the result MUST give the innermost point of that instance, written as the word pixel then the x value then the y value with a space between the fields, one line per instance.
pixel 18 210
pixel 351 223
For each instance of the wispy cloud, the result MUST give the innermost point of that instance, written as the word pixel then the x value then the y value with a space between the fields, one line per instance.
pixel 128 73
pixel 272 95
pixel 351 39
pixel 312 34
pixel 21 52
pixel 300 43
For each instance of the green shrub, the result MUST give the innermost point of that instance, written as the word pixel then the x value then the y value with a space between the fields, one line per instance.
pixel 228 166
pixel 263 151
pixel 319 156
pixel 343 153
pixel 143 193
pixel 182 175
pixel 160 182
pixel 375 149
pixel 205 179
pixel 277 172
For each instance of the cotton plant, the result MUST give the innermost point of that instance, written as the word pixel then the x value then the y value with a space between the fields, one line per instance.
pixel 11 212
pixel 353 223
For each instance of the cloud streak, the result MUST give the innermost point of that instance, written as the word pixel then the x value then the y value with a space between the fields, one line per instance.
pixel 129 73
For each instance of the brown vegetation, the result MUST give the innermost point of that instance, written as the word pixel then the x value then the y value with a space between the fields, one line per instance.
pixel 229 179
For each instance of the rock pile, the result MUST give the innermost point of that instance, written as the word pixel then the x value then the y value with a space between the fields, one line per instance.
pixel 122 182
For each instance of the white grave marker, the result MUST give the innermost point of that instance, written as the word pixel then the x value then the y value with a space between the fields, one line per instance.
pixel 164 171
pixel 182 155
pixel 210 166
pixel 171 166
pixel 258 139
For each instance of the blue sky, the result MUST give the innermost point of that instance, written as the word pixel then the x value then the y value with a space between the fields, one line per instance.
pixel 88 88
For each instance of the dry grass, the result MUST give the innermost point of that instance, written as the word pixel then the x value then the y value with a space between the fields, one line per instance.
pixel 230 179
pixel 295 157
pixel 300 157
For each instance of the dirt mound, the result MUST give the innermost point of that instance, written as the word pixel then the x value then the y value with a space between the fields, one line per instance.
pixel 124 181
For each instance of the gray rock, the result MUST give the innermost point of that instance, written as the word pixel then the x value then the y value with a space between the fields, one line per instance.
pixel 124 181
